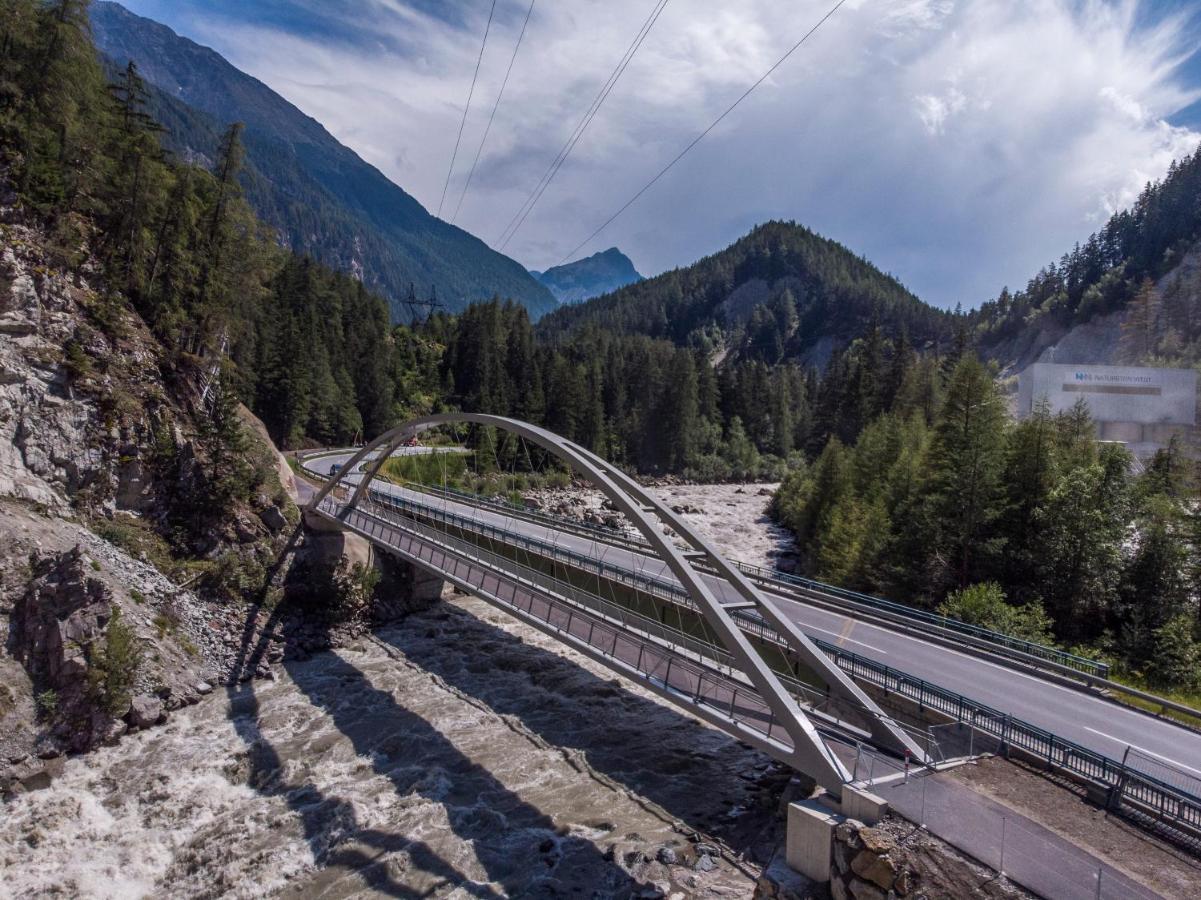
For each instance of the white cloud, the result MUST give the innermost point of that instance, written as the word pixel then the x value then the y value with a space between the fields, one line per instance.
pixel 960 145
pixel 934 111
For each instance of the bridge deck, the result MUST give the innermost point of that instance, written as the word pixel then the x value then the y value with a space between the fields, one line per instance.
pixel 676 674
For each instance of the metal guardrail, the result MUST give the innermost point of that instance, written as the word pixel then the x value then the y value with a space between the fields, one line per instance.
pixel 1030 648
pixel 1142 793
pixel 1063 658
pixel 502 507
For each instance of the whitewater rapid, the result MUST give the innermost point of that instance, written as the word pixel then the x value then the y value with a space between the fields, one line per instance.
pixel 458 753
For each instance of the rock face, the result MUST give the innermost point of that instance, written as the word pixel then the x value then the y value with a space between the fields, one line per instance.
pixel 55 623
pixel 44 443
pixel 868 863
pixel 146 710
pixel 58 625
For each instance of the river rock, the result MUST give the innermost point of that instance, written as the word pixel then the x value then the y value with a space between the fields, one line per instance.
pixel 880 870
pixel 274 519
pixel 146 710
pixel 877 840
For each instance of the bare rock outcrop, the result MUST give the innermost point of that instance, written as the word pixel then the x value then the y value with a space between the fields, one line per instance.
pixel 58 618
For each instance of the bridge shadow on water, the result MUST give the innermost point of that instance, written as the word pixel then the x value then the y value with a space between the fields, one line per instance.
pixel 694 773
pixel 518 846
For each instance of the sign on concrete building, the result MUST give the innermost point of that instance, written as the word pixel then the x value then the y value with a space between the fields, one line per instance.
pixel 1116 394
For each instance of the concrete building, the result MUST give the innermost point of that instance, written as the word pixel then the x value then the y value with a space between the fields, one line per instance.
pixel 1139 407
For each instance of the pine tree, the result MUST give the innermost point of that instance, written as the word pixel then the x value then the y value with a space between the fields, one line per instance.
pixel 966 460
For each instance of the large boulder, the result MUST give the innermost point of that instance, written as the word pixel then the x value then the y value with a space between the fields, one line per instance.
pixel 145 710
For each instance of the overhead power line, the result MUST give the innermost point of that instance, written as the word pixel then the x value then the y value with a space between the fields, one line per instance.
pixel 466 109
pixel 504 84
pixel 700 137
pixel 565 151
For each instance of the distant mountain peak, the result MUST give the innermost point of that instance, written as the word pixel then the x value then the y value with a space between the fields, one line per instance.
pixel 583 279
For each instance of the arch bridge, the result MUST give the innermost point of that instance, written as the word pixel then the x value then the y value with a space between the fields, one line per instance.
pixel 683 621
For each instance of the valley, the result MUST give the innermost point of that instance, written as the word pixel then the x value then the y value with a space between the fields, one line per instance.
pixel 756 576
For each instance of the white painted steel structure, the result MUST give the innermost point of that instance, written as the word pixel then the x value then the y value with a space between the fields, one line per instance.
pixel 810 754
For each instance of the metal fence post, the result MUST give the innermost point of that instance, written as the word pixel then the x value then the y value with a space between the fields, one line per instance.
pixel 1119 786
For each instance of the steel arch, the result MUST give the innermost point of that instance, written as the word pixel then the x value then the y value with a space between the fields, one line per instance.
pixel 812 755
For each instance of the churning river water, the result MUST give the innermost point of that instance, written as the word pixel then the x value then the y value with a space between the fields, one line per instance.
pixel 458 753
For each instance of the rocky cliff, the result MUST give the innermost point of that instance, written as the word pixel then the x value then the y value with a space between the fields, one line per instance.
pixel 118 603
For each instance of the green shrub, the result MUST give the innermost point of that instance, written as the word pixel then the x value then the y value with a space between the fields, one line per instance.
pixel 1177 661
pixel 985 605
pixel 76 360
pixel 114 666
pixel 47 702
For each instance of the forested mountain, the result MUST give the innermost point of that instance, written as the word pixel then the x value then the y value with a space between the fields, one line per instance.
pixel 782 293
pixel 654 406
pixel 322 198
pixel 311 351
pixel 584 279
pixel 1114 272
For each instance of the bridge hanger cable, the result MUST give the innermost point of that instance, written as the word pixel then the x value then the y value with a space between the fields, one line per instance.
pixel 466 109
pixel 574 138
pixel 700 137
pixel 504 84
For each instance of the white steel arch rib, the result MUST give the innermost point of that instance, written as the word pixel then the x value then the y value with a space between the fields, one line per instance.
pixel 812 755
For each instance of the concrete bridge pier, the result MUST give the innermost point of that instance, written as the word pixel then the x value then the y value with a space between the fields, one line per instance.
pixel 403 588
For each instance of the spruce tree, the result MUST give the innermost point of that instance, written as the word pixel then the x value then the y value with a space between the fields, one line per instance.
pixel 965 490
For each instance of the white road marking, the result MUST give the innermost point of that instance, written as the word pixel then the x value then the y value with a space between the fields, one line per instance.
pixel 1158 756
pixel 838 634
pixel 1111 708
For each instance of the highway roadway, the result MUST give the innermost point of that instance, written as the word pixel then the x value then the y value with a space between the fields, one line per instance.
pixel 1073 714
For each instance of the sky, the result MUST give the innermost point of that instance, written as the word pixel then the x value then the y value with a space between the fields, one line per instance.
pixel 959 145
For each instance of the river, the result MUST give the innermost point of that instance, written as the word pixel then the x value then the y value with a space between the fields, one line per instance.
pixel 456 754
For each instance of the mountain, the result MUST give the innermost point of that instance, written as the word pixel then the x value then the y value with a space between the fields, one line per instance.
pixel 1130 294
pixel 781 293
pixel 584 279
pixel 322 198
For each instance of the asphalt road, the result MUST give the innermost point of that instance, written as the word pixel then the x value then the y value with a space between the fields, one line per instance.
pixel 1075 715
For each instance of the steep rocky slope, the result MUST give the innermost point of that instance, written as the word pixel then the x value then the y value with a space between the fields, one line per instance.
pixel 98 443
pixel 1098 340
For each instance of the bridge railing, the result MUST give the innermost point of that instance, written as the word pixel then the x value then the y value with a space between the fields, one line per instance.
pixel 500 506
pixel 1128 788
pixel 783 579
pixel 661 666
